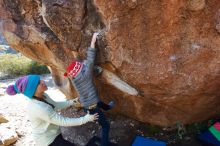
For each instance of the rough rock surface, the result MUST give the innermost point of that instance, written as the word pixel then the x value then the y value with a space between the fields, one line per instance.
pixel 167 50
pixel 7 136
pixel 3 119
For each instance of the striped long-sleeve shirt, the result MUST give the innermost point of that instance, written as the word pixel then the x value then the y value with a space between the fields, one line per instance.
pixel 83 83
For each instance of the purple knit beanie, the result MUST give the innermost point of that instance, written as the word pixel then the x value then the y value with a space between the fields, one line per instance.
pixel 26 85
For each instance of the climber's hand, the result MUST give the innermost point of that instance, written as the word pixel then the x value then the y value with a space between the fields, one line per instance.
pixel 76 103
pixel 94 37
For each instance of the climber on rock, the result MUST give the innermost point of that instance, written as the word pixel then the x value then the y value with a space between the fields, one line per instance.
pixel 81 74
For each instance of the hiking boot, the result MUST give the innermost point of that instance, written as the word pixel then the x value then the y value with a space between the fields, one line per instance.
pixel 97 70
pixel 111 104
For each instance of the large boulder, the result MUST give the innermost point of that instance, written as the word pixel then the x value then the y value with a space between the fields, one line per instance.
pixel 161 58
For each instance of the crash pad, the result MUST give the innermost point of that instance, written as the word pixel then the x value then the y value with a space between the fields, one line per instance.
pixel 208 139
pixel 143 141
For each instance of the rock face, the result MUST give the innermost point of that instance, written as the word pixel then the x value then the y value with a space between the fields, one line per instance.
pixel 167 50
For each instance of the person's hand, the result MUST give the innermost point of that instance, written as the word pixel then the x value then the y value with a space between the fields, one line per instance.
pixel 91 118
pixel 94 37
pixel 76 103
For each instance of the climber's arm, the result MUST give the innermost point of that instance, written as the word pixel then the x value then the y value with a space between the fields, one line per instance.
pixel 94 37
pixel 91 52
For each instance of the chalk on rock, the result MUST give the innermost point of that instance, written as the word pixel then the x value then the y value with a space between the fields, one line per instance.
pixel 196 5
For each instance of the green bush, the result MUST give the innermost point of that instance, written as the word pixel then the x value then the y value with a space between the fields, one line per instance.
pixel 16 65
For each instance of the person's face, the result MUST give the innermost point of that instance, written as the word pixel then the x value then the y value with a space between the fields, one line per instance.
pixel 41 87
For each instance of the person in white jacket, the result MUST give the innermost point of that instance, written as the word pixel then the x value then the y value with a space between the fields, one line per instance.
pixel 41 109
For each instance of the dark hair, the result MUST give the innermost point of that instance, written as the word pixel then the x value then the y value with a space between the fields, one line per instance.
pixel 43 100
